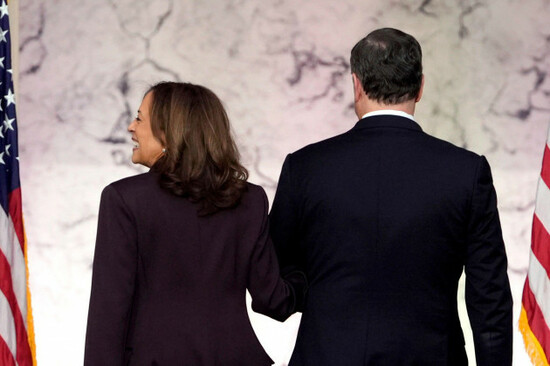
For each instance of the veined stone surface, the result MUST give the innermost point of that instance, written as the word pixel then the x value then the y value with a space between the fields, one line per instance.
pixel 282 69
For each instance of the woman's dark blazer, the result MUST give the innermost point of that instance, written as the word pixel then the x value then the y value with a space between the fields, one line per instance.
pixel 169 286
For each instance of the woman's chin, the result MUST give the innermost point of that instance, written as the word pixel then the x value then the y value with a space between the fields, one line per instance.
pixel 136 160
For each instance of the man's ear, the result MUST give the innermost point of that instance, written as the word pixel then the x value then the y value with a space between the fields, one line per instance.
pixel 420 91
pixel 358 90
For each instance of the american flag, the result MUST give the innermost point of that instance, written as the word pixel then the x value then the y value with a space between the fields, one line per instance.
pixel 535 304
pixel 15 318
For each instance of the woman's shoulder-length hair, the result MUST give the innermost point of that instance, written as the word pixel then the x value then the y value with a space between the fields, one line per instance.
pixel 201 160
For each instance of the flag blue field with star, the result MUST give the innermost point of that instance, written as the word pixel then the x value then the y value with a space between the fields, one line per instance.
pixel 9 155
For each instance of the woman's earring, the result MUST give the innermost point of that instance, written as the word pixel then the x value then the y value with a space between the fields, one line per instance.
pixel 163 150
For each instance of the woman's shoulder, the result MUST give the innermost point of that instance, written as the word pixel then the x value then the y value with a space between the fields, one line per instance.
pixel 255 189
pixel 255 192
pixel 133 184
pixel 254 199
pixel 133 193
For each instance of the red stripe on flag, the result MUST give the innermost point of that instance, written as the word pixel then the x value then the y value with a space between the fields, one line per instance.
pixel 535 318
pixel 545 172
pixel 540 244
pixel 16 215
pixel 6 358
pixel 23 355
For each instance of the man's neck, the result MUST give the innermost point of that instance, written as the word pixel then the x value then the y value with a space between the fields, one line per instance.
pixel 369 105
pixel 391 112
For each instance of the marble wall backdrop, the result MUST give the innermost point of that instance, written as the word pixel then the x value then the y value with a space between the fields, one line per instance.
pixel 282 69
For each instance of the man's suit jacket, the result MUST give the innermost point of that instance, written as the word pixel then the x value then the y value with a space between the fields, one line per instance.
pixel 383 219
pixel 169 287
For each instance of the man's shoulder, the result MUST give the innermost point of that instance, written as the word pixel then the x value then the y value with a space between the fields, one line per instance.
pixel 328 145
pixel 325 146
pixel 446 148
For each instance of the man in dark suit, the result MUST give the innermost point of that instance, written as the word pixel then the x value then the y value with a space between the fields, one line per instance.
pixel 383 219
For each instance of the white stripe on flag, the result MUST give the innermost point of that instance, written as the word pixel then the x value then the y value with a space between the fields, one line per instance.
pixel 7 325
pixel 540 285
pixel 542 205
pixel 9 245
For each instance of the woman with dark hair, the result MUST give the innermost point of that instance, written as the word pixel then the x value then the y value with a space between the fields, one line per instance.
pixel 177 247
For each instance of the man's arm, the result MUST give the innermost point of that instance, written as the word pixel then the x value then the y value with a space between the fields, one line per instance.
pixel 488 296
pixel 284 221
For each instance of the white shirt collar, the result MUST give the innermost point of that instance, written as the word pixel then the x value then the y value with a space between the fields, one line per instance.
pixel 392 112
